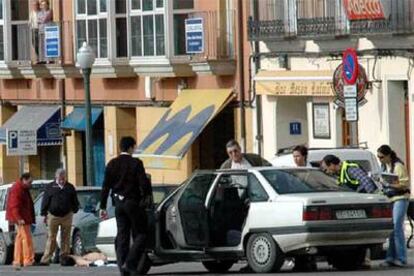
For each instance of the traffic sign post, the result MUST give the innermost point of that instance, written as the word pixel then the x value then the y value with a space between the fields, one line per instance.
pixel 21 142
pixel 194 35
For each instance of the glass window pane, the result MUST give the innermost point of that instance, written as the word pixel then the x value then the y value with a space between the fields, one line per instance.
pixel 81 6
pixel 102 6
pixel 183 4
pixel 160 3
pixel 20 10
pixel 148 24
pixel 1 44
pixel 159 31
pixel 20 42
pixel 120 6
pixel 103 38
pixel 92 8
pixel 136 39
pixel 255 190
pixel 121 38
pixel 136 4
pixel 147 5
pixel 80 33
pixel 1 9
pixel 93 34
pixel 179 33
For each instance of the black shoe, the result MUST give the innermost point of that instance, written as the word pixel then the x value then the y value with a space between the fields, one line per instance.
pixel 41 264
pixel 127 271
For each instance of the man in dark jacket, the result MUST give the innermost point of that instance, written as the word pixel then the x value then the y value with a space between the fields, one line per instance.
pixel 59 203
pixel 126 179
pixel 239 160
pixel 20 211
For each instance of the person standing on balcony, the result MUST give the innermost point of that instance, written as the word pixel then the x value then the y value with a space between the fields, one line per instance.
pixel 44 17
pixel 34 26
pixel 20 211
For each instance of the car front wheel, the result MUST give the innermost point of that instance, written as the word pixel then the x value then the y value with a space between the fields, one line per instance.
pixel 263 254
pixel 218 266
pixel 5 251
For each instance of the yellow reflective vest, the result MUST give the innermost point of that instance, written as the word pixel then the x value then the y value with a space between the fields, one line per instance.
pixel 345 178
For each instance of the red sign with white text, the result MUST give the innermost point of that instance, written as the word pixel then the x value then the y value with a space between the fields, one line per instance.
pixel 364 9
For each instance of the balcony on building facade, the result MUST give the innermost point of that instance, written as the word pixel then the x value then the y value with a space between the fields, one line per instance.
pixel 321 19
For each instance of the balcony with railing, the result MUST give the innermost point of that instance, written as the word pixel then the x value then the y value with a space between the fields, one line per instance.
pixel 313 19
pixel 26 55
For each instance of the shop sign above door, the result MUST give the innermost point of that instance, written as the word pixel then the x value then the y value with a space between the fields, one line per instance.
pixel 364 9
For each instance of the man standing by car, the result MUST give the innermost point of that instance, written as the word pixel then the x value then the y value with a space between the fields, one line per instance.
pixel 59 203
pixel 349 174
pixel 20 212
pixel 239 160
pixel 126 179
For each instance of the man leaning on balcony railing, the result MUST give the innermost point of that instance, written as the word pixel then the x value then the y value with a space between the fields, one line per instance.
pixel 39 18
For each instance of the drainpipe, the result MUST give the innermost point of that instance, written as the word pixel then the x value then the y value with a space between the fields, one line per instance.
pixel 241 75
pixel 62 87
pixel 255 58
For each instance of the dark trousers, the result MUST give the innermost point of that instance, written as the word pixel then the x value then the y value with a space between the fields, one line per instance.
pixel 130 220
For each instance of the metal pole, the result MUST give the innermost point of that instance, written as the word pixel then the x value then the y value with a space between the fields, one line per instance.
pixel 241 76
pixel 90 173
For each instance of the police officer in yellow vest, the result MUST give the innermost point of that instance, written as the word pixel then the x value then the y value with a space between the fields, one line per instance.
pixel 349 174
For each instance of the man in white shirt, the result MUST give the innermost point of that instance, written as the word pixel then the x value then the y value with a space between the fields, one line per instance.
pixel 239 160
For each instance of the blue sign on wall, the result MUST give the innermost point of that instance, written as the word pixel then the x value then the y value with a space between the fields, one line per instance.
pixel 52 42
pixel 194 36
pixel 295 128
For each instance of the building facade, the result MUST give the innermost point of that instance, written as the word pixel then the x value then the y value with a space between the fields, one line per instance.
pixel 142 79
pixel 298 48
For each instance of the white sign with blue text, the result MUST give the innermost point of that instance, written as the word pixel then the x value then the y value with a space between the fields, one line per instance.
pixel 52 42
pixel 21 142
pixel 194 35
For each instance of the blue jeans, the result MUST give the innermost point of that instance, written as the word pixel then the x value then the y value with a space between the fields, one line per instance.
pixel 397 249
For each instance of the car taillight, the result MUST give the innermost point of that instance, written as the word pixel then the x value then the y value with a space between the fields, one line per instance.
pixel 317 213
pixel 381 211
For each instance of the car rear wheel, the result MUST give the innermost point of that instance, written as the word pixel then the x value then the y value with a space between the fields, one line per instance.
pixel 218 266
pixel 348 259
pixel 6 252
pixel 77 244
pixel 263 254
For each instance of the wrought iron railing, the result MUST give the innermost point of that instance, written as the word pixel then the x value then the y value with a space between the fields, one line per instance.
pixel 279 19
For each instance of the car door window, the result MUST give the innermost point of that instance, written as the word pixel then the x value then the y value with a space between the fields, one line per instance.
pixel 2 199
pixel 192 211
pixel 38 206
pixel 255 190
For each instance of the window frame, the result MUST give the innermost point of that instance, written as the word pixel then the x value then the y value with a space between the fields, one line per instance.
pixel 96 17
pixel 141 13
pixel 2 33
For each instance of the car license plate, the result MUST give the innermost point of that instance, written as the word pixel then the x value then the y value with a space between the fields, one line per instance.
pixel 351 214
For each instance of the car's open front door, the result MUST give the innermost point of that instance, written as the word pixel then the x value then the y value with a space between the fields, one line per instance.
pixel 187 217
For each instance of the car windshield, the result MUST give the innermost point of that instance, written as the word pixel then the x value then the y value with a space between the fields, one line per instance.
pixel 301 181
pixel 88 199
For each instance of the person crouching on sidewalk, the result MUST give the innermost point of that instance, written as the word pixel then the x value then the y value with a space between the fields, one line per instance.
pixel 20 211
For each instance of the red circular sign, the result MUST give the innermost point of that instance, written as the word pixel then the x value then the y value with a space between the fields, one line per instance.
pixel 350 66
pixel 339 82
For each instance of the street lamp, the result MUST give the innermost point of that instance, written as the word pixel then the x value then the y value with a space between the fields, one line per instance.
pixel 86 58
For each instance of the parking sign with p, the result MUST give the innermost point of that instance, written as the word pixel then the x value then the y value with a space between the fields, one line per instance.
pixel 12 139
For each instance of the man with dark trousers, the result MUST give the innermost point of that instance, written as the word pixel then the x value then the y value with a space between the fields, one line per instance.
pixel 125 178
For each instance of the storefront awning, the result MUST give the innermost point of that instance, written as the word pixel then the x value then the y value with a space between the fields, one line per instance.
pixel 43 119
pixel 76 119
pixel 172 136
pixel 295 83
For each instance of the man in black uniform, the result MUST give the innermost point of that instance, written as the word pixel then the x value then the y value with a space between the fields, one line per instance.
pixel 126 179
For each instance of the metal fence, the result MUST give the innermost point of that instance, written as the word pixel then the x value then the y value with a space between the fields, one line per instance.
pixel 280 19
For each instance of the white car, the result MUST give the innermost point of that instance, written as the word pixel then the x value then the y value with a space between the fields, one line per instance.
pixel 366 159
pixel 265 215
pixel 7 231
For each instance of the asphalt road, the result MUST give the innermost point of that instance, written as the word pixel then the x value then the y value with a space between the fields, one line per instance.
pixel 190 269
